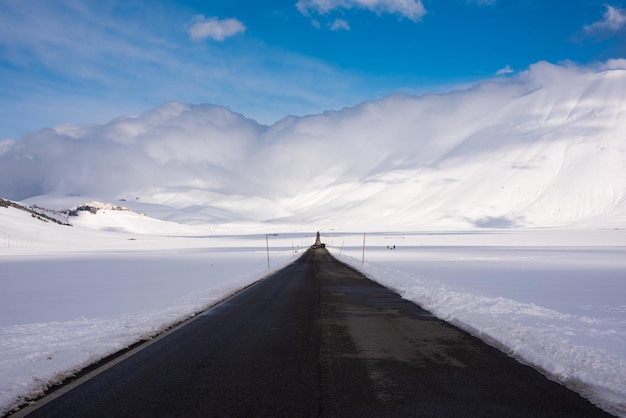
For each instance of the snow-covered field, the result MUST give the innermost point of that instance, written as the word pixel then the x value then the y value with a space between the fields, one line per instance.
pixel 72 295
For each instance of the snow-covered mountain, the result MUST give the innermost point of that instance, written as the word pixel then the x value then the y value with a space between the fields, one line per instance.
pixel 547 147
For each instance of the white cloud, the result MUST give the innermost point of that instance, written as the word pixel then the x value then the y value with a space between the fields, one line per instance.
pixel 613 64
pixel 613 20
pixel 411 9
pixel 339 24
pixel 504 71
pixel 171 145
pixel 202 27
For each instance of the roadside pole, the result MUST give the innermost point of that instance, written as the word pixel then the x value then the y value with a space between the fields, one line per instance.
pixel 363 259
pixel 267 246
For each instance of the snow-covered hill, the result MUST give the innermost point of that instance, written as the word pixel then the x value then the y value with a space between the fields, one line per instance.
pixel 547 147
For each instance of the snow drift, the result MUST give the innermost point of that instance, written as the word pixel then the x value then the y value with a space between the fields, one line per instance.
pixel 547 147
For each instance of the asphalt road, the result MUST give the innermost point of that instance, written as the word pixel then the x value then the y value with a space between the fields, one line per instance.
pixel 318 339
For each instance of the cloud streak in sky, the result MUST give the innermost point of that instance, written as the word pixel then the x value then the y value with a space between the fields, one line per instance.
pixel 613 20
pixel 504 71
pixel 202 27
pixel 339 24
pixel 411 9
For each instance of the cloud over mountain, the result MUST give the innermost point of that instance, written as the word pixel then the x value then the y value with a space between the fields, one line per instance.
pixel 547 146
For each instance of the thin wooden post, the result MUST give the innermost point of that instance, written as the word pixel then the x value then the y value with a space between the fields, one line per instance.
pixel 363 259
pixel 267 245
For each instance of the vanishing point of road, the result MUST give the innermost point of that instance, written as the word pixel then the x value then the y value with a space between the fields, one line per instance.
pixel 316 339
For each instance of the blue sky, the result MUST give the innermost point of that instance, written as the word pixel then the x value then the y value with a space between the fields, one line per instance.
pixel 82 62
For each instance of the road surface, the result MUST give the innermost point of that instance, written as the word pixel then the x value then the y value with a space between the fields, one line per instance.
pixel 317 339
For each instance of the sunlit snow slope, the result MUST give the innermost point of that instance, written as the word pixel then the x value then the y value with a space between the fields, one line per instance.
pixel 547 147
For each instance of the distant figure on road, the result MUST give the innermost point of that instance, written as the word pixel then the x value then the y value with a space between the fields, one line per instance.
pixel 318 242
